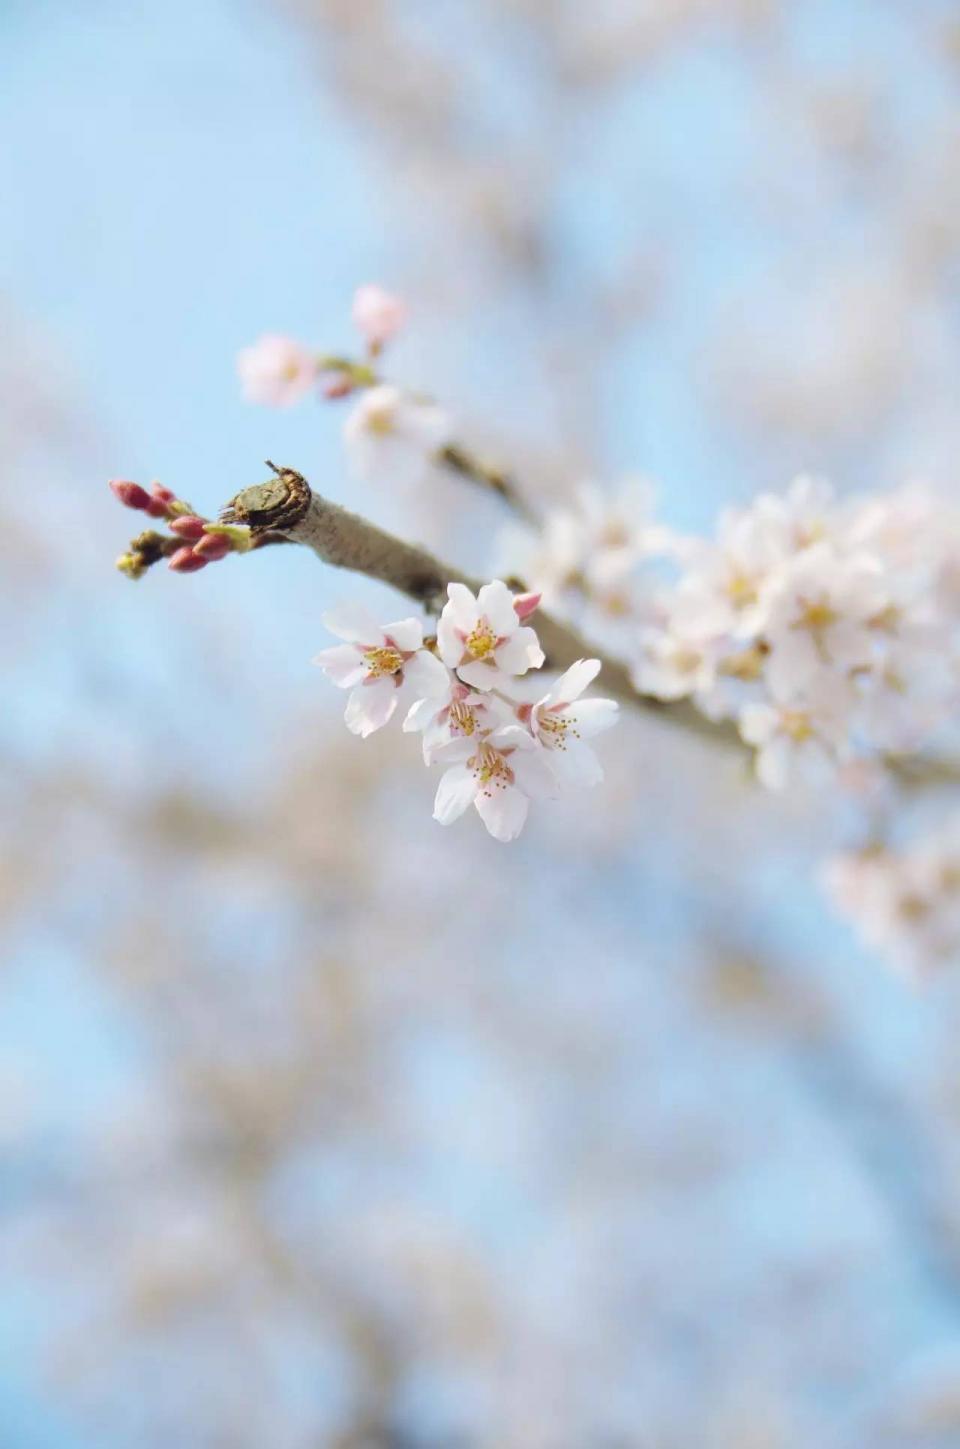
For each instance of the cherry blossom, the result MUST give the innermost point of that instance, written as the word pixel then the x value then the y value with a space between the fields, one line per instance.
pixel 375 663
pixel 459 713
pixel 377 315
pixel 498 774
pixel 277 370
pixel 562 722
pixel 483 639
pixel 392 437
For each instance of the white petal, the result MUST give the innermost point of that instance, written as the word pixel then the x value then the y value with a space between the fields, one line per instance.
pixel 480 675
pixel 757 723
pixel 512 737
pixel 407 634
pixel 495 601
pixel 449 640
pixel 343 664
pixel 534 775
pixel 571 685
pixel 773 763
pixel 576 765
pixel 370 707
pixel 460 747
pixel 426 676
pixel 456 791
pixel 520 652
pixel 420 714
pixel 461 606
pixel 354 622
pixel 503 812
pixel 593 716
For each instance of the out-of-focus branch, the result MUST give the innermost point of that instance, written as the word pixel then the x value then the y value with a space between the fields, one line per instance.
pixel 287 505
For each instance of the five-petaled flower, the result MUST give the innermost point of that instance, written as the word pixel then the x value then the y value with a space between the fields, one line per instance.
pixel 375 663
pixel 482 637
pixel 562 722
pixel 499 774
pixel 277 370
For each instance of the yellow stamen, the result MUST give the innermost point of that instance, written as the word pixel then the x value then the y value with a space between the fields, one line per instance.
pixel 382 661
pixel 482 641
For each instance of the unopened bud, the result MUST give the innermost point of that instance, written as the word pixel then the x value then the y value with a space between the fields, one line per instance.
pixel 526 604
pixel 165 495
pixel 188 525
pixel 156 508
pixel 185 561
pixel 212 546
pixel 338 387
pixel 131 495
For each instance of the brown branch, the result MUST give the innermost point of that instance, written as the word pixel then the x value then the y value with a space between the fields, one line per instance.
pixel 286 505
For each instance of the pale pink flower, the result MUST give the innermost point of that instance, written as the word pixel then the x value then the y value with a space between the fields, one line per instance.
pixel 392 437
pixel 375 663
pixel 801 739
pixel 498 774
pixel 483 639
pixel 277 371
pixel 377 314
pixel 461 713
pixel 562 722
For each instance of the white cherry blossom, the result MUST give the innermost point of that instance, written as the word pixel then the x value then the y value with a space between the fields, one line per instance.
pixel 461 712
pixel 277 370
pixel 499 774
pixel 392 437
pixel 483 639
pixel 375 663
pixel 562 722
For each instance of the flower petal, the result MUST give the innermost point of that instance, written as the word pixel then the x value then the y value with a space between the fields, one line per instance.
pixel 455 792
pixel 577 765
pixel 354 622
pixel 426 676
pixel 480 675
pixel 571 685
pixel 461 607
pixel 370 706
pixel 592 716
pixel 503 812
pixel 495 602
pixel 343 665
pixel 534 775
pixel 407 634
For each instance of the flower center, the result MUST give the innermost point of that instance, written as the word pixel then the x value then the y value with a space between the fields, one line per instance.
pixel 380 422
pixel 796 724
pixel 491 770
pixel 482 641
pixel 741 591
pixel 815 614
pixel 554 729
pixel 382 661
pixel 463 719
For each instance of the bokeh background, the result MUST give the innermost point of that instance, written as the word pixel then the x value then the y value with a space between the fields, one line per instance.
pixel 320 1126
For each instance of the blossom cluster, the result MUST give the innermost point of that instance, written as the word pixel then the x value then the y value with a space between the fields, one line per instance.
pixel 462 693
pixel 825 629
pixel 904 903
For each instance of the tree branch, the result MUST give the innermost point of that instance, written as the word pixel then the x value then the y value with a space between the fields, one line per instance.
pixel 287 505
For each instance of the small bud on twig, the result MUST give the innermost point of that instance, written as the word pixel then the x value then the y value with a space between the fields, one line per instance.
pixel 131 495
pixel 185 561
pixel 212 546
pixel 188 525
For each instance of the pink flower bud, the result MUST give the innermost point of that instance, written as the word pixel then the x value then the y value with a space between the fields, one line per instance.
pixel 185 561
pixel 526 604
pixel 131 495
pixel 212 546
pixel 156 508
pixel 165 495
pixel 338 387
pixel 188 525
